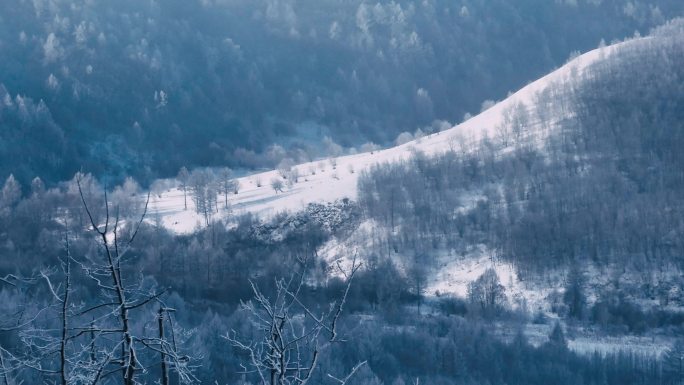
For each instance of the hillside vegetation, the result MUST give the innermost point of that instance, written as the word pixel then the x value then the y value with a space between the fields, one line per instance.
pixel 142 88
pixel 579 189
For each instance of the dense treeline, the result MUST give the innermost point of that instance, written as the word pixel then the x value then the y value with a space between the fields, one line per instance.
pixel 604 187
pixel 142 88
pixel 207 273
pixel 602 195
pixel 607 187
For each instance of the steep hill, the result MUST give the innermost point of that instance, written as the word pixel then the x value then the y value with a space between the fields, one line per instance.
pixel 578 168
pixel 330 179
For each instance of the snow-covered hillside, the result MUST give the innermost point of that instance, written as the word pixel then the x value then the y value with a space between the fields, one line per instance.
pixel 329 180
pixel 322 181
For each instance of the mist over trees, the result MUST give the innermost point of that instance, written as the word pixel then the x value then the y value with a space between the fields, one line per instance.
pixel 143 88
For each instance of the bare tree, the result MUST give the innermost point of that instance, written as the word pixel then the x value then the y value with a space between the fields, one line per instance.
pixel 503 130
pixel 226 184
pixel 294 175
pixel 369 147
pixel 292 336
pixel 487 291
pixel 4 372
pixel 112 266
pixel 121 297
pixel 53 350
pixel 204 193
pixel 183 177
pixel 277 185
pixel 128 198
pixel 87 340
pixel 284 167
pixel 520 121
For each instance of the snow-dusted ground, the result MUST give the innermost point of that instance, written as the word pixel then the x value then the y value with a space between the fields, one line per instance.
pixel 321 182
pixel 586 342
pixel 331 183
pixel 454 273
pixel 652 346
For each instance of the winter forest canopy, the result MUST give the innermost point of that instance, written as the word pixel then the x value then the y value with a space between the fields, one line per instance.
pixel 538 242
pixel 118 88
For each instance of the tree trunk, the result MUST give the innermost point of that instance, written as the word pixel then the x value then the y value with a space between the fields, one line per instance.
pixel 65 323
pixel 164 369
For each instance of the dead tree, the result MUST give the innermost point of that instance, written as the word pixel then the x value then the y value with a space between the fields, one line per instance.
pixel 292 335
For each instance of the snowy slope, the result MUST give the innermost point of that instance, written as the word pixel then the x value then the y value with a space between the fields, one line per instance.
pixel 320 182
pixel 330 184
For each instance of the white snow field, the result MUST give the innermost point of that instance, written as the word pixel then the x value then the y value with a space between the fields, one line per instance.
pixel 332 183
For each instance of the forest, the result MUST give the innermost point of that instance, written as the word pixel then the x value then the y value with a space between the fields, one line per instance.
pixel 119 89
pixel 581 193
pixel 105 295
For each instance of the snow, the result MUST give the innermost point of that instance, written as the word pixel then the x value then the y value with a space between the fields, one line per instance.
pixel 328 180
pixel 651 346
pixel 454 273
pixel 587 342
pixel 333 183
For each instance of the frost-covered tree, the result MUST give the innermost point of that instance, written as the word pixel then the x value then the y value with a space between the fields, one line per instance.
pixel 37 187
pixel 290 337
pixel 227 184
pixel 127 197
pixel 183 178
pixel 369 147
pixel 403 138
pixel 285 166
pixel 204 194
pixel 10 194
pixel 486 291
pixel 277 185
